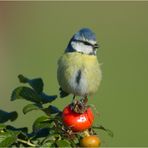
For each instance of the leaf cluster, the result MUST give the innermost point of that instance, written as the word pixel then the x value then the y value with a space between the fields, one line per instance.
pixel 47 130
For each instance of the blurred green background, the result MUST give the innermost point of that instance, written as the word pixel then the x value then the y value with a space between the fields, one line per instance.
pixel 33 35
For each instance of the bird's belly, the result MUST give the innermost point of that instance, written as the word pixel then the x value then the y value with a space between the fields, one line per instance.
pixel 88 83
pixel 79 74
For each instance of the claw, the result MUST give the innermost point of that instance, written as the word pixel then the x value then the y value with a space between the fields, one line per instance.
pixel 85 100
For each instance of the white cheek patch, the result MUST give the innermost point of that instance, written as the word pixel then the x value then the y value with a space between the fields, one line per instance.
pixel 80 47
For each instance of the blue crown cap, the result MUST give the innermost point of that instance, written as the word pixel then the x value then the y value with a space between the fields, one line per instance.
pixel 86 33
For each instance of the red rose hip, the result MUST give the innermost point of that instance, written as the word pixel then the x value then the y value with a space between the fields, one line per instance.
pixel 77 121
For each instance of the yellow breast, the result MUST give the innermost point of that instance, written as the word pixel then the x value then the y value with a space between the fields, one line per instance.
pixel 72 66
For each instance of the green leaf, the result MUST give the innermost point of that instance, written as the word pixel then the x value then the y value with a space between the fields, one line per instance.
pixel 110 133
pixel 8 138
pixel 39 123
pixel 47 144
pixel 22 129
pixel 63 143
pixel 48 141
pixel 37 83
pixel 30 95
pixel 51 110
pixel 46 98
pixel 51 138
pixel 5 116
pixel 31 107
pixel 22 79
pixel 13 115
pixel 25 93
pixel 2 126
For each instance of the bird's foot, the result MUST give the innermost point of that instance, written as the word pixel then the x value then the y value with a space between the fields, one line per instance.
pixel 79 106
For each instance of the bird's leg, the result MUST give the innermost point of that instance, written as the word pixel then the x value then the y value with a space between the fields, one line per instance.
pixel 84 106
pixel 73 102
pixel 85 100
pixel 79 106
pixel 73 98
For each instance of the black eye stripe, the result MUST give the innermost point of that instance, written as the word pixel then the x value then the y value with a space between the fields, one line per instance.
pixel 87 43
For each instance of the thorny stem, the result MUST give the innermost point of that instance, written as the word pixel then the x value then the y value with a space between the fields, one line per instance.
pixel 26 142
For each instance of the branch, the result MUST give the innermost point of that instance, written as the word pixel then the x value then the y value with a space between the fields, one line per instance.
pixel 26 142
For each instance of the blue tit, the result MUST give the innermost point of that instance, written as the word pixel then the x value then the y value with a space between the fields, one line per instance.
pixel 78 70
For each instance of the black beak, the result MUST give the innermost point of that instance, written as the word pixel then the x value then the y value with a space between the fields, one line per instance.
pixel 95 46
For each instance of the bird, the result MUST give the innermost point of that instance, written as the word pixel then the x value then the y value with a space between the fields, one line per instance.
pixel 79 72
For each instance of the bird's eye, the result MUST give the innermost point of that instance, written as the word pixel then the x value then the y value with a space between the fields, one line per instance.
pixel 86 43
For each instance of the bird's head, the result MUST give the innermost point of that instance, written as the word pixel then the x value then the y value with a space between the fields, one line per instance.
pixel 84 41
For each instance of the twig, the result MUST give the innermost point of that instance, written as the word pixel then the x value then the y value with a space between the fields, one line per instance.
pixel 26 142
